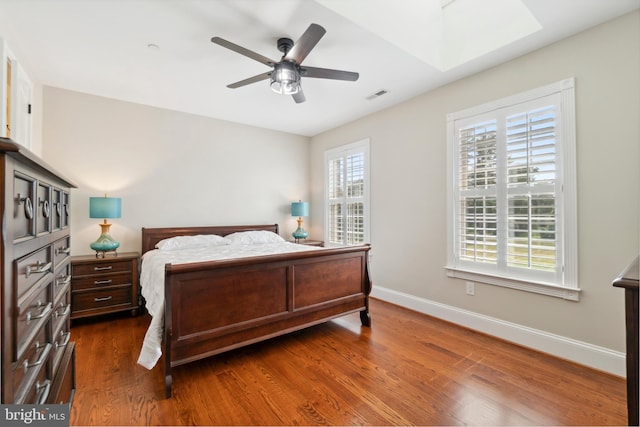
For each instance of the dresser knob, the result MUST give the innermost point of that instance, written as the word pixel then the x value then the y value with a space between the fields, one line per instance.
pixel 28 205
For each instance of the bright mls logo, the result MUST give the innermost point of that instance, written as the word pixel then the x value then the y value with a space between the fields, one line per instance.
pixel 35 415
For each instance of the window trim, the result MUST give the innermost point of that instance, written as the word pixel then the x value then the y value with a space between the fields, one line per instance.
pixel 568 241
pixel 362 146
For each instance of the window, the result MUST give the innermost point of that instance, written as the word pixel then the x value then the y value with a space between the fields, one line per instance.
pixel 347 194
pixel 512 217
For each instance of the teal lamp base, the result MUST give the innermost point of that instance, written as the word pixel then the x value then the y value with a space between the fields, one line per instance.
pixel 299 233
pixel 105 242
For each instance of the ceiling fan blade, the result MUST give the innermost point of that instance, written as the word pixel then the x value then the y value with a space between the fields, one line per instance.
pixel 250 80
pixel 243 51
pixel 299 97
pixel 326 73
pixel 305 43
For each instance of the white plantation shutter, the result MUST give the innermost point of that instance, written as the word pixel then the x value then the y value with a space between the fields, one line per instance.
pixel 346 194
pixel 478 172
pixel 531 178
pixel 513 210
pixel 336 200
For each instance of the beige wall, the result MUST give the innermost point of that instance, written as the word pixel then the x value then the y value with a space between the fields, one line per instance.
pixel 169 168
pixel 408 181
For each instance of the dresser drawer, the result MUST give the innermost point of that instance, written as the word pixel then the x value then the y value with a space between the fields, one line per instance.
pixel 43 209
pixel 56 208
pixel 61 312
pixel 61 336
pixel 64 381
pixel 62 282
pixel 32 368
pixel 32 268
pixel 33 315
pixel 101 298
pixel 61 251
pixel 37 391
pixel 101 281
pixel 66 209
pixel 24 194
pixel 111 266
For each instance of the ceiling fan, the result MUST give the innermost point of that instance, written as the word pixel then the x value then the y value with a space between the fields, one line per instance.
pixel 286 74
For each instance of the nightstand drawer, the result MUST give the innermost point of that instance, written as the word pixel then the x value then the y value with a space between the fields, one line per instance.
pixel 102 298
pixel 101 281
pixel 111 266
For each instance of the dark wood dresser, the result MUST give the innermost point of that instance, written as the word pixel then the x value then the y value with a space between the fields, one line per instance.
pixel 38 356
pixel 628 280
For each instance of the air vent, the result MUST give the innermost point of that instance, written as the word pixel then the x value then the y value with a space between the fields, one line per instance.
pixel 377 94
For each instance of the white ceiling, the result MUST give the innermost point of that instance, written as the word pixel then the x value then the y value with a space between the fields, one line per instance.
pixel 406 47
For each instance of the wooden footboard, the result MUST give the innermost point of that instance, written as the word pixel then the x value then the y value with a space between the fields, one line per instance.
pixel 216 306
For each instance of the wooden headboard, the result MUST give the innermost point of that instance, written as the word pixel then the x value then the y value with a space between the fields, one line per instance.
pixel 151 236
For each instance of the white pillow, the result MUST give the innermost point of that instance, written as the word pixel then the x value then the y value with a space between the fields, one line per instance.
pixel 254 237
pixel 186 242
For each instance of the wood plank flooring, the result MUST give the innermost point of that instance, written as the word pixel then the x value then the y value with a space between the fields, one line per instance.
pixel 407 369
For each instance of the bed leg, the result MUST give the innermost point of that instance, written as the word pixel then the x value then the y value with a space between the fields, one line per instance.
pixel 365 318
pixel 167 385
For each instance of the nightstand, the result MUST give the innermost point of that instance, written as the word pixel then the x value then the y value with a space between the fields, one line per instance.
pixel 104 285
pixel 309 242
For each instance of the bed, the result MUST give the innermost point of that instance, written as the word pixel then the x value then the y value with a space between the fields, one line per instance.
pixel 209 307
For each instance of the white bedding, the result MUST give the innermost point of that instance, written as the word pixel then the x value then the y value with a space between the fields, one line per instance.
pixel 152 281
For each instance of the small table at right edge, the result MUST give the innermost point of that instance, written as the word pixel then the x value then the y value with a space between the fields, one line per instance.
pixel 628 280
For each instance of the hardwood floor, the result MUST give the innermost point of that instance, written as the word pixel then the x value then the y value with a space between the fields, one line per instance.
pixel 408 369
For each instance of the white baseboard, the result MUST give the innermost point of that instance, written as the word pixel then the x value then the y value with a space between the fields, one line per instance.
pixel 603 359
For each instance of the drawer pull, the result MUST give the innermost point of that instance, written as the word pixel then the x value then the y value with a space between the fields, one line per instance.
pixel 39 267
pixel 65 339
pixel 41 358
pixel 102 282
pixel 62 250
pixel 45 312
pixel 66 309
pixel 28 205
pixel 64 280
pixel 58 206
pixel 103 299
pixel 44 394
pixel 46 209
pixel 102 268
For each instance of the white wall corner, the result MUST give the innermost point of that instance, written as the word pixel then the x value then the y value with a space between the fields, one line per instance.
pixel 593 356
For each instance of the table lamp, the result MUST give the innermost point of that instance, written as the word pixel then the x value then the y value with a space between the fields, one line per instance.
pixel 300 209
pixel 104 207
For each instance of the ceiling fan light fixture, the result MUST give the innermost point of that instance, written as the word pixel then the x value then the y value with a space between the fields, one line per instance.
pixel 285 78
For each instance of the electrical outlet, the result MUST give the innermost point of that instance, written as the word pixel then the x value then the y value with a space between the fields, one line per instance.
pixel 471 288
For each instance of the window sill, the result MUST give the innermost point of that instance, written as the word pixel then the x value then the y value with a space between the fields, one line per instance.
pixel 572 294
